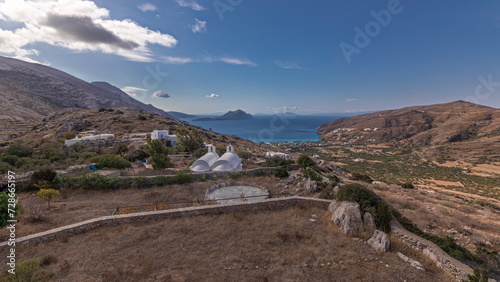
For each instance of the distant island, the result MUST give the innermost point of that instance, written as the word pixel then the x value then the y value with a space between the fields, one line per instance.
pixel 231 115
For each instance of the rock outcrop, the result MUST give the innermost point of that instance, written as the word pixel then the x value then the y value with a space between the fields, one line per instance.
pixel 347 215
pixel 380 241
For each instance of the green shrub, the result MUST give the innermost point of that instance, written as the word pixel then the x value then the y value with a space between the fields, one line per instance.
pixel 277 161
pixel 480 275
pixel 260 173
pixel 160 180
pixel 4 209
pixel 6 167
pixel 10 159
pixel 311 174
pixel 111 161
pixel 281 173
pixel 361 177
pixel 19 149
pixel 47 174
pixel 141 182
pixel 95 181
pixel 305 161
pixel 181 177
pixel 52 154
pixel 368 202
pixel 234 175
pixel 447 244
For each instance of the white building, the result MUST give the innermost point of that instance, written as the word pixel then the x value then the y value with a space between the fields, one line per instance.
pixel 277 154
pixel 164 135
pixel 205 163
pixel 70 142
pixel 212 162
pixel 228 162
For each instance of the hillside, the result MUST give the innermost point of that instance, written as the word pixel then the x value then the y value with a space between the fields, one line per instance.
pixel 30 92
pixel 422 125
pixel 231 115
pixel 123 121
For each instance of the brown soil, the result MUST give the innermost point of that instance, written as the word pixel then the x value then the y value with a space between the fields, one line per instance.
pixel 265 246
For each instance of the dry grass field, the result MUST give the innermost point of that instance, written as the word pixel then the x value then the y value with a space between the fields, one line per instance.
pixel 283 245
pixel 79 205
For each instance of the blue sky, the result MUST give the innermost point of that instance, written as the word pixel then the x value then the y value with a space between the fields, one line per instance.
pixel 267 56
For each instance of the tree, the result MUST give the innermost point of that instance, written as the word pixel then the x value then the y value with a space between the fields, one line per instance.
pixel 48 195
pixel 304 161
pixel 189 139
pixel 47 174
pixel 158 152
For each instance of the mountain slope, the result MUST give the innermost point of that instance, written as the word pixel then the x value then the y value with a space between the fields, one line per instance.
pixel 420 125
pixel 29 92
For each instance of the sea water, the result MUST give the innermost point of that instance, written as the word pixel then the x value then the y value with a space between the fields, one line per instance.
pixel 269 128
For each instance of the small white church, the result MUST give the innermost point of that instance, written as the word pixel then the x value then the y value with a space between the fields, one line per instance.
pixel 212 162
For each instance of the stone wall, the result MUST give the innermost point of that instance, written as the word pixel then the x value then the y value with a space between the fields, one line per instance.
pixel 264 205
pixel 444 261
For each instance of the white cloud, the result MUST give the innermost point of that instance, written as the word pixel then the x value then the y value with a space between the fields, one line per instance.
pixel 235 61
pixel 147 7
pixel 283 109
pixel 288 65
pixel 213 95
pixel 190 4
pixel 199 26
pixel 77 25
pixel 160 94
pixel 227 60
pixel 133 91
pixel 176 60
pixel 350 100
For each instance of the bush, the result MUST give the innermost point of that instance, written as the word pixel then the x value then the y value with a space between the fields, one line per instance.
pixel 361 177
pixel 281 173
pixel 447 244
pixel 6 167
pixel 368 202
pixel 311 174
pixel 94 181
pixel 4 209
pixel 47 174
pixel 160 180
pixel 181 177
pixel 48 195
pixel 141 182
pixel 10 159
pixel 234 175
pixel 277 161
pixel 304 161
pixel 19 149
pixel 112 161
pixel 137 155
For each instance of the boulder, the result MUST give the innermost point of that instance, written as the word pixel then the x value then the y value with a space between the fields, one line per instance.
pixel 347 215
pixel 380 241
pixel 368 222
